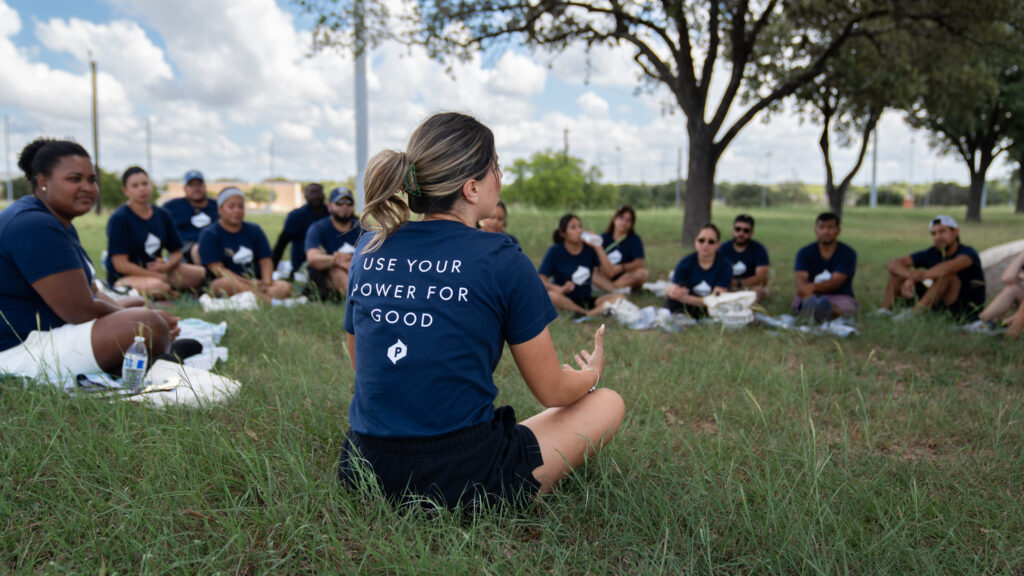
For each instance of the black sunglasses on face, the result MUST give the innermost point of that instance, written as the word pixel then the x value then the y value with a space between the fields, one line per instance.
pixel 706 241
pixel 741 229
pixel 345 202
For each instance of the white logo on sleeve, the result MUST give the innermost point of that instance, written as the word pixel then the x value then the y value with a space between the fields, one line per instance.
pixel 397 351
pixel 825 276
pixel 201 220
pixel 152 245
pixel 739 268
pixel 347 248
pixel 615 256
pixel 581 276
pixel 243 256
pixel 702 289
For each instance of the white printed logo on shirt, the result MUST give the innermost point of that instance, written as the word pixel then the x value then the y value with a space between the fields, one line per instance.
pixel 152 245
pixel 397 351
pixel 702 289
pixel 243 256
pixel 825 276
pixel 346 248
pixel 581 276
pixel 201 220
pixel 739 268
pixel 615 256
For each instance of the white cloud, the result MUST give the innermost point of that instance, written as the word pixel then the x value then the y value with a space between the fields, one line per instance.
pixel 593 105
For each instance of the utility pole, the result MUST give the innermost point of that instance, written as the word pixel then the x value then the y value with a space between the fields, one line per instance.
pixel 7 157
pixel 767 178
pixel 96 134
pixel 912 166
pixel 565 149
pixel 362 117
pixel 618 164
pixel 679 176
pixel 149 148
pixel 874 172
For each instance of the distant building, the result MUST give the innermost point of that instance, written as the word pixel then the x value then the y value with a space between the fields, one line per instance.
pixel 287 195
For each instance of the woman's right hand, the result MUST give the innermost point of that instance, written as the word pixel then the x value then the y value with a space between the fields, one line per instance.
pixel 568 287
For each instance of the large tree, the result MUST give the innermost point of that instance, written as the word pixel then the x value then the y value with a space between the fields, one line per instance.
pixel 763 51
pixel 847 100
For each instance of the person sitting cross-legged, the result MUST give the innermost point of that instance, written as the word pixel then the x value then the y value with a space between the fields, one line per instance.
pixel 330 244
pixel 749 259
pixel 625 250
pixel 945 277
pixel 702 273
pixel 237 254
pixel 824 274
pixel 568 267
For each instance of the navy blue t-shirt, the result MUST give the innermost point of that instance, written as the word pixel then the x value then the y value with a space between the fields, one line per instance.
pixel 240 252
pixel 189 220
pixel 431 310
pixel 560 267
pixel 631 248
pixel 297 224
pixel 324 235
pixel 972 278
pixel 141 240
pixel 843 260
pixel 699 281
pixel 744 264
pixel 33 245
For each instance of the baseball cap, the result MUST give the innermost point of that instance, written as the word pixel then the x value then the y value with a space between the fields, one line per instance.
pixel 943 220
pixel 193 175
pixel 339 193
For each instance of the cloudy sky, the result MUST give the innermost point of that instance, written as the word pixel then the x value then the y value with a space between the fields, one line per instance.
pixel 224 81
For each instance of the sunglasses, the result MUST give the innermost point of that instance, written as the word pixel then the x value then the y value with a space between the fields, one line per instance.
pixel 706 241
pixel 345 202
pixel 742 229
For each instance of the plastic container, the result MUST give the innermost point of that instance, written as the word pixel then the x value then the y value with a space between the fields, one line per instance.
pixel 133 371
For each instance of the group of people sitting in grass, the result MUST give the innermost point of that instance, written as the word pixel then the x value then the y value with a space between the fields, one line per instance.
pixel 429 304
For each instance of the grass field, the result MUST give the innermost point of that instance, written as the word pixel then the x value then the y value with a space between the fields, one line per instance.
pixel 900 450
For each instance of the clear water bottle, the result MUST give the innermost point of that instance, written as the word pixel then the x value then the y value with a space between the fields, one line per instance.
pixel 135 359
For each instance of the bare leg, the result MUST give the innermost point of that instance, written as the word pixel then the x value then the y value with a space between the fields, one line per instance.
pixel 187 276
pixel 1016 327
pixel 279 290
pixel 229 287
pixel 195 254
pixel 338 279
pixel 153 287
pixel 1004 302
pixel 633 279
pixel 563 302
pixel 568 435
pixel 114 333
pixel 945 290
pixel 601 281
pixel 599 303
pixel 893 289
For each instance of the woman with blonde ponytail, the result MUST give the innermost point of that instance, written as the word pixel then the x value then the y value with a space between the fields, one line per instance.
pixel 431 304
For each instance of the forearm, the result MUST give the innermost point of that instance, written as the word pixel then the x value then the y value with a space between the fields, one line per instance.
pixel 282 242
pixel 633 265
pixel 317 260
pixel 606 267
pixel 126 267
pixel 174 259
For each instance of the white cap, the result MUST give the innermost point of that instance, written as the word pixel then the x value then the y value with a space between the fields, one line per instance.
pixel 943 220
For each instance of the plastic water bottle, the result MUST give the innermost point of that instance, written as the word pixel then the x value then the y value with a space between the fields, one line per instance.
pixel 135 359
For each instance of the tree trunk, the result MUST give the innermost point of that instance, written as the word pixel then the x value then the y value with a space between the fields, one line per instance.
pixel 700 185
pixel 974 200
pixel 1020 189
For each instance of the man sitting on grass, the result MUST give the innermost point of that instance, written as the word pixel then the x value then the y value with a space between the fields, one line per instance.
pixel 824 274
pixel 237 253
pixel 330 244
pixel 748 257
pixel 945 277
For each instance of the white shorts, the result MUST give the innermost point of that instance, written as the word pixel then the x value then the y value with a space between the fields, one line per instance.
pixel 56 355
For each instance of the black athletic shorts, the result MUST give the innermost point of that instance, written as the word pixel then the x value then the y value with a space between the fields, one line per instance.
pixel 677 307
pixel 491 462
pixel 587 303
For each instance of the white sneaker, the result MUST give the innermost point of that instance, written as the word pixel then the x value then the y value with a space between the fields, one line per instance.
pixel 883 312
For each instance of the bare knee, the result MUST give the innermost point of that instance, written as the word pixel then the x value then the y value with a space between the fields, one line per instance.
pixel 612 407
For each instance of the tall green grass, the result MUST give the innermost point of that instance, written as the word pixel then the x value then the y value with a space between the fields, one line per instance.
pixel 900 450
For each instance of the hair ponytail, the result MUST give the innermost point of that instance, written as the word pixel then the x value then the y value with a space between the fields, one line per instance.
pixel 385 209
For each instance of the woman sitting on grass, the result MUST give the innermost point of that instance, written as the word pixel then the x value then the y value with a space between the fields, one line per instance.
pixel 625 251
pixel 54 325
pixel 1009 299
pixel 237 253
pixel 568 268
pixel 137 235
pixel 702 273
pixel 430 307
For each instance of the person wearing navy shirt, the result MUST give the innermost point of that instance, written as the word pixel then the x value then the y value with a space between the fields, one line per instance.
pixel 237 254
pixel 498 222
pixel 625 250
pixel 297 224
pixel 192 214
pixel 1009 299
pixel 945 277
pixel 430 307
pixel 702 273
pixel 748 257
pixel 138 233
pixel 568 267
pixel 330 244
pixel 824 274
pixel 54 324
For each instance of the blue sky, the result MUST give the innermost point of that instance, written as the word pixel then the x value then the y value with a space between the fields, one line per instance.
pixel 220 80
